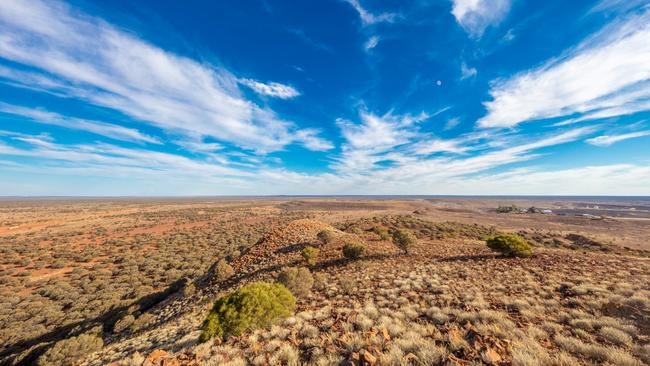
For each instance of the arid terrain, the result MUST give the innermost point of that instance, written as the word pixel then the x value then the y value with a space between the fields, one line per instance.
pixel 130 281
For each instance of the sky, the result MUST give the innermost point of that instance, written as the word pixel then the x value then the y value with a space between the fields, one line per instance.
pixel 324 97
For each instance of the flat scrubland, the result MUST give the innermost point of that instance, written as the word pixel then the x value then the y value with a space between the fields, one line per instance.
pixel 130 282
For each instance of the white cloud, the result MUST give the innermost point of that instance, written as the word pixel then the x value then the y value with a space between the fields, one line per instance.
pixel 109 130
pixel 379 133
pixel 83 57
pixel 272 89
pixel 371 43
pixel 368 18
pixel 90 158
pixel 451 123
pixel 607 140
pixel 467 72
pixel 428 147
pixel 603 180
pixel 607 75
pixel 309 138
pixel 392 148
pixel 617 5
pixel 476 15
pixel 358 172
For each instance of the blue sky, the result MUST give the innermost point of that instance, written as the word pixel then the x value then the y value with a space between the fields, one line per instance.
pixel 324 97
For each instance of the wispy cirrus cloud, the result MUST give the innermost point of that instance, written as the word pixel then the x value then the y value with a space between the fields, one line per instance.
pixel 607 140
pixel 393 146
pixel 371 43
pixel 78 56
pixel 467 72
pixel 369 18
pixel 605 76
pixel 109 130
pixel 476 15
pixel 272 89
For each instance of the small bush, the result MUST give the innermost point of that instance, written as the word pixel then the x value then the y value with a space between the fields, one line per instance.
pixel 255 305
pixel 310 254
pixel 143 321
pixel 348 284
pixel 382 231
pixel 326 236
pixel 223 270
pixel 320 281
pixel 298 280
pixel 353 250
pixel 67 351
pixel 511 245
pixel 124 323
pixel 404 239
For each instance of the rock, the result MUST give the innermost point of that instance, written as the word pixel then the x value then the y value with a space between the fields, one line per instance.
pixel 491 357
pixel 368 358
pixel 160 358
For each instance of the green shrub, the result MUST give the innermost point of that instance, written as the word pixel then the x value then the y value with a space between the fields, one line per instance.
pixel 404 239
pixel 255 305
pixel 298 280
pixel 511 245
pixel 223 270
pixel 310 254
pixel 353 250
pixel 326 236
pixel 382 231
pixel 67 351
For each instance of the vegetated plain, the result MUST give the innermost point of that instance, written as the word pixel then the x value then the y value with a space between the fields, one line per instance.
pixel 385 282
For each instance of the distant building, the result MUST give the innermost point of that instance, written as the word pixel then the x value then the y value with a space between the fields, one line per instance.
pixel 547 211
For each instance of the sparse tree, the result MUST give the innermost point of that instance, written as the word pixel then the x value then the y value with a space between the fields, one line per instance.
pixel 510 245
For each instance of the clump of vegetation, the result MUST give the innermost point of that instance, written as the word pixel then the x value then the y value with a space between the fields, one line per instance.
pixel 256 305
pixel 223 270
pixel 353 250
pixel 348 284
pixel 67 351
pixel 310 254
pixel 404 239
pixel 508 209
pixel 510 245
pixel 298 280
pixel 382 232
pixel 326 236
pixel 124 323
pixel 419 227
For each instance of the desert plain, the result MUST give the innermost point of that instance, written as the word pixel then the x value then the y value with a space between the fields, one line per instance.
pixel 130 281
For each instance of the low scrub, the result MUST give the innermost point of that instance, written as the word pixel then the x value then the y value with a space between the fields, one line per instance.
pixel 67 351
pixel 510 245
pixel 326 236
pixel 223 270
pixel 353 250
pixel 310 255
pixel 298 280
pixel 404 239
pixel 256 305
pixel 382 232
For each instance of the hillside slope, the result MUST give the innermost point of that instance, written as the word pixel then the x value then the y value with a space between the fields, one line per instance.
pixel 451 301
